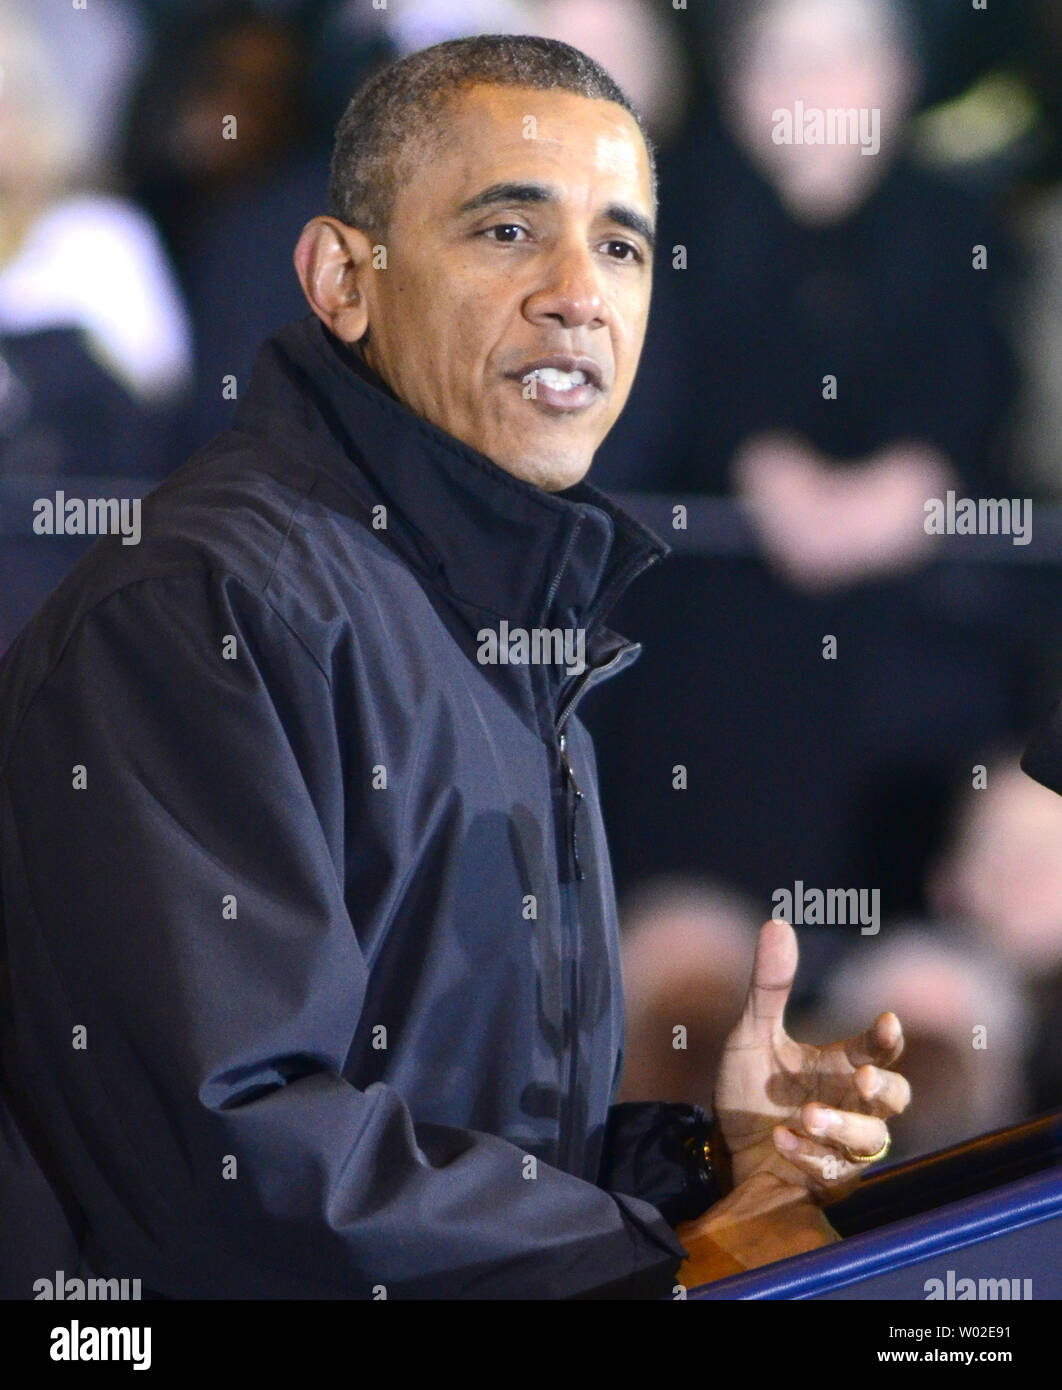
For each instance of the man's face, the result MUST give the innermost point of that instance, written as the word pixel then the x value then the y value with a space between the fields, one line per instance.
pixel 505 252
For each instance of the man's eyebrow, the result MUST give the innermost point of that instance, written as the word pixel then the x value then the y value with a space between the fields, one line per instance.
pixel 513 193
pixel 633 220
pixel 509 193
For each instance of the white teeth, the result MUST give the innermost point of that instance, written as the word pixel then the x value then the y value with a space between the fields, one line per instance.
pixel 557 380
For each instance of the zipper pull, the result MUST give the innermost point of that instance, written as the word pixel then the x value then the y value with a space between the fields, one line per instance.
pixel 567 765
pixel 578 796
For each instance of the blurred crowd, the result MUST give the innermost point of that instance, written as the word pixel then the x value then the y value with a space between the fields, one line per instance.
pixel 157 161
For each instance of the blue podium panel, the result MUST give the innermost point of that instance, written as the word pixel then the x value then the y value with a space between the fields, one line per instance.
pixel 1002 1245
pixel 981 1222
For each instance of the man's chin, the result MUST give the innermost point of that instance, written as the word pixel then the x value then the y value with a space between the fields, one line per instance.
pixel 550 473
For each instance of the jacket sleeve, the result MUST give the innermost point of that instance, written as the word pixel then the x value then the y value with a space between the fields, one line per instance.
pixel 650 1152
pixel 187 981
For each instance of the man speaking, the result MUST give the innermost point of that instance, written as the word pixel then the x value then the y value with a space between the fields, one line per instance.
pixel 310 951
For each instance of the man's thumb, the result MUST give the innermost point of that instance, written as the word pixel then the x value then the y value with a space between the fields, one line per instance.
pixel 772 979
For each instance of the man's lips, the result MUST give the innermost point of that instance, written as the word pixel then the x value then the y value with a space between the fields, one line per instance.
pixel 543 380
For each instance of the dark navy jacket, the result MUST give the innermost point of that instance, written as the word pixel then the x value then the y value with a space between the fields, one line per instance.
pixel 310 956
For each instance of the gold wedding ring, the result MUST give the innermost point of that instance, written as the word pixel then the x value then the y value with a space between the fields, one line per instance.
pixel 868 1158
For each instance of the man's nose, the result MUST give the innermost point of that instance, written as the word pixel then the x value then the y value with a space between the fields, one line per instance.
pixel 571 291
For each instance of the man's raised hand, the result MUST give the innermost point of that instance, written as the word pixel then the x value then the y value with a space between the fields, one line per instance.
pixel 806 1114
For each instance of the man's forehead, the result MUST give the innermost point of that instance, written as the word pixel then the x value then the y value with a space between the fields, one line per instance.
pixel 496 127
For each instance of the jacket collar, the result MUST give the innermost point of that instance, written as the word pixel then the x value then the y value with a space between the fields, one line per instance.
pixel 504 546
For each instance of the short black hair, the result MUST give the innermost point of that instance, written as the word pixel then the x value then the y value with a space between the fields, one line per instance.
pixel 405 100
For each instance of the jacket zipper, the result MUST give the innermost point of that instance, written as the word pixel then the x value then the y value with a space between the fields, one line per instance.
pixel 572 798
pixel 569 892
pixel 589 680
pixel 573 795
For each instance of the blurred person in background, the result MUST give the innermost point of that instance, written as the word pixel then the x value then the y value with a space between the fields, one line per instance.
pixel 1001 877
pixel 223 101
pixel 96 55
pixel 821 524
pixel 966 1020
pixel 71 257
pixel 95 344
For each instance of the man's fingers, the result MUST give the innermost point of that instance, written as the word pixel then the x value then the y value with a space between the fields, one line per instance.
pixel 879 1046
pixel 823 1165
pixel 845 1131
pixel 885 1093
pixel 772 979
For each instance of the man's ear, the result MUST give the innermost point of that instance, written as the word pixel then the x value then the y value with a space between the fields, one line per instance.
pixel 332 261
